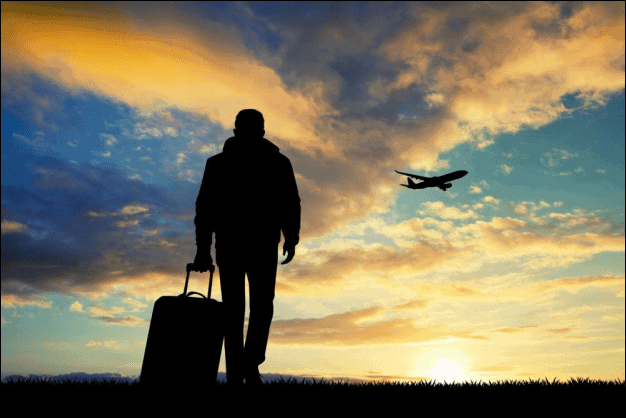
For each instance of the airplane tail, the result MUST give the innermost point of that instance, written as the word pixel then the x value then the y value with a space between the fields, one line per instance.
pixel 411 182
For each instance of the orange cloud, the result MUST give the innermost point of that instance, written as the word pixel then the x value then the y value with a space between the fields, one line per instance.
pixel 128 321
pixel 332 266
pixel 124 224
pixel 506 73
pixel 412 305
pixel 107 315
pixel 9 227
pixel 576 283
pixel 348 328
pixel 104 49
pixel 76 307
pixel 133 209
pixel 105 312
pixel 517 329
pixel 12 300
pixel 442 211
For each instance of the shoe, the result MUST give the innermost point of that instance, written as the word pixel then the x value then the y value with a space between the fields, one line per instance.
pixel 234 380
pixel 236 384
pixel 254 380
pixel 253 377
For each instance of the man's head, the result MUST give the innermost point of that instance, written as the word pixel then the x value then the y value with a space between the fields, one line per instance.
pixel 250 123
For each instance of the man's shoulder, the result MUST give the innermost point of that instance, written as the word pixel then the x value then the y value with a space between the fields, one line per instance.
pixel 282 158
pixel 215 158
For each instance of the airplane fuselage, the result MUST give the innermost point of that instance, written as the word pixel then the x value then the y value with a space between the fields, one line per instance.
pixel 442 182
pixel 451 176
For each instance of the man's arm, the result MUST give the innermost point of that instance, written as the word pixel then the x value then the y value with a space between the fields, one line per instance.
pixel 204 219
pixel 290 222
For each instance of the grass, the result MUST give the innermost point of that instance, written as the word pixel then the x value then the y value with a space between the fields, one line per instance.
pixel 322 396
pixel 574 384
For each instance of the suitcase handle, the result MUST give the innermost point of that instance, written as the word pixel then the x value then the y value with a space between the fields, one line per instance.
pixel 190 267
pixel 195 293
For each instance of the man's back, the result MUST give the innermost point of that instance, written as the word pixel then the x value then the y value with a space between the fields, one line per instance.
pixel 248 195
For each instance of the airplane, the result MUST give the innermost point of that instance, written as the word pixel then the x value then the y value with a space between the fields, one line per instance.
pixel 441 181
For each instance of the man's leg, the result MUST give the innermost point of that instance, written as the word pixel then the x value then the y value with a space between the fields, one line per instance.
pixel 232 282
pixel 262 283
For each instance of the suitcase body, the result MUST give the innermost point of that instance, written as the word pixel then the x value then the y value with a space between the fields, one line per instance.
pixel 185 340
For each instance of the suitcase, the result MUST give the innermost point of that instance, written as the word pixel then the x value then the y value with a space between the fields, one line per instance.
pixel 185 339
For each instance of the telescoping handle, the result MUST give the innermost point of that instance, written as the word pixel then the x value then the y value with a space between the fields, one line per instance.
pixel 190 267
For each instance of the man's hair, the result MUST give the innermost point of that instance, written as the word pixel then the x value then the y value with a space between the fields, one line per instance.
pixel 250 120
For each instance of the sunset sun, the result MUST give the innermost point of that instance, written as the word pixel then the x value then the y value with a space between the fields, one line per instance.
pixel 446 369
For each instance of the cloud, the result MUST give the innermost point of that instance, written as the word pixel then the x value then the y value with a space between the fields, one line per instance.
pixel 111 345
pixel 137 305
pixel 357 327
pixel 442 247
pixel 520 209
pixel 12 227
pixel 124 224
pixel 582 220
pixel 105 312
pixel 341 148
pixel 127 321
pixel 333 266
pixel 171 131
pixel 506 169
pixel 208 149
pixel 554 157
pixel 52 178
pixel 12 300
pixel 416 304
pixel 76 307
pixel 108 315
pixel 516 330
pixel 440 210
pixel 574 284
pixel 209 60
pixel 619 316
pixel 108 139
pixel 498 223
pixel 491 199
pixel 77 253
pixel 343 97
pixel 475 189
pixel 133 209
pixel 530 208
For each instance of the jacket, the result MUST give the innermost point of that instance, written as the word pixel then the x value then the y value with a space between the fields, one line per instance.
pixel 247 197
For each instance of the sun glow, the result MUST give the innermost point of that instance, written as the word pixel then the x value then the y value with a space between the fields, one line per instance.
pixel 447 369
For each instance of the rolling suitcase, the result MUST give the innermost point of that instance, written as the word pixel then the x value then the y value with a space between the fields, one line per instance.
pixel 185 339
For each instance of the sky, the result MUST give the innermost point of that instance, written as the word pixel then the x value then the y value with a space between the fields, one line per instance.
pixel 110 111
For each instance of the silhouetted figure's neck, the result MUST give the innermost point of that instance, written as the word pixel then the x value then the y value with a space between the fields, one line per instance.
pixel 248 144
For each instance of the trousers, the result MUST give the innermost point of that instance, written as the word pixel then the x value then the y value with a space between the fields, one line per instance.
pixel 260 268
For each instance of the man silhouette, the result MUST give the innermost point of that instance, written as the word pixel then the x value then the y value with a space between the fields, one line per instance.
pixel 247 197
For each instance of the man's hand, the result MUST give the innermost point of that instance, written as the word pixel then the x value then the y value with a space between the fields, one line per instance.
pixel 290 250
pixel 203 261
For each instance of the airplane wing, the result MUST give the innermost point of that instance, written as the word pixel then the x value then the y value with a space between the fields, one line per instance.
pixel 413 175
